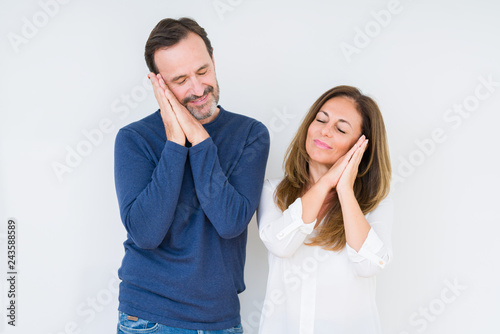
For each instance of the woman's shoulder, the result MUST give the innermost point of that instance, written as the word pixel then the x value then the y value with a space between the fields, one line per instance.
pixel 387 201
pixel 385 206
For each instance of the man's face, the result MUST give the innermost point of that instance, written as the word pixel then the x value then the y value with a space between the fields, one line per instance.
pixel 189 73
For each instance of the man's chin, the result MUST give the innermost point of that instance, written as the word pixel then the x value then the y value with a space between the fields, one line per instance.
pixel 202 112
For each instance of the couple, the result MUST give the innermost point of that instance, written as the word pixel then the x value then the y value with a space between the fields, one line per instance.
pixel 189 178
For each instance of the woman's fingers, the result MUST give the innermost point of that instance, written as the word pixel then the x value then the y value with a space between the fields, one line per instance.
pixel 358 155
pixel 357 145
pixel 348 156
pixel 349 174
pixel 347 163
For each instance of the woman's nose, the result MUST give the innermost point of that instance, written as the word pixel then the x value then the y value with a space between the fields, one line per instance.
pixel 326 131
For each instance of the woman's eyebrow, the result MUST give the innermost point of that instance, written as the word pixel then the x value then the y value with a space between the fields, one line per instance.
pixel 344 121
pixel 339 120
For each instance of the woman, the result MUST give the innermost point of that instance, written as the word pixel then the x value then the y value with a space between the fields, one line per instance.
pixel 327 223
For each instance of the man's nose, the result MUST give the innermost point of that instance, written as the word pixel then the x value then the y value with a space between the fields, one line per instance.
pixel 197 87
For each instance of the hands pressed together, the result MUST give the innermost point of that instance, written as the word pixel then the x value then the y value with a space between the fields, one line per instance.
pixel 341 177
pixel 180 125
pixel 343 173
pixel 178 121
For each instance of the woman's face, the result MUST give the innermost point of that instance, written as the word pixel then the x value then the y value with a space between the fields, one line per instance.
pixel 334 131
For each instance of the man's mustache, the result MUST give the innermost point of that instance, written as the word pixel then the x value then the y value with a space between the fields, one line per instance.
pixel 190 98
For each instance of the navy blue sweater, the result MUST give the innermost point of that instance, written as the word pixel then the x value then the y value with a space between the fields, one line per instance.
pixel 186 211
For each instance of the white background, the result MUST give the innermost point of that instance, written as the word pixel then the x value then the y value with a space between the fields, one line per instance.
pixel 76 68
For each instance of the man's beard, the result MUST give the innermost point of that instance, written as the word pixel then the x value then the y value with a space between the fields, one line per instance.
pixel 212 101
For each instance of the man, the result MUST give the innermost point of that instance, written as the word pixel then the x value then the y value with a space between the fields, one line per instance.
pixel 188 180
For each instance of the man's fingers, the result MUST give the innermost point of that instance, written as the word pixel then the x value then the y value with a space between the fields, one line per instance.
pixel 161 81
pixel 164 86
pixel 173 100
pixel 165 107
pixel 156 86
pixel 166 92
pixel 174 103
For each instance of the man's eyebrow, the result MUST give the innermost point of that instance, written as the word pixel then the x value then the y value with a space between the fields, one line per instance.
pixel 174 79
pixel 178 77
pixel 202 67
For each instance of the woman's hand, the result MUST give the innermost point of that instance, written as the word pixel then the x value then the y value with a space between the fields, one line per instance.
pixel 335 172
pixel 314 197
pixel 173 129
pixel 346 181
pixel 355 224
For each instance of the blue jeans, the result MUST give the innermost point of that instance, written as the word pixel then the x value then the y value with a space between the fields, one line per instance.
pixel 126 326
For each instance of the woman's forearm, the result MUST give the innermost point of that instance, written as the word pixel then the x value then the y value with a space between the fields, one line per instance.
pixel 312 201
pixel 355 224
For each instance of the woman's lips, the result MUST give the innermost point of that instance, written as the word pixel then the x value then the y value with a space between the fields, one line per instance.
pixel 321 144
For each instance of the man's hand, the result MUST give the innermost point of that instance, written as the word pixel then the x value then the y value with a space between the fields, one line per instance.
pixel 192 128
pixel 173 129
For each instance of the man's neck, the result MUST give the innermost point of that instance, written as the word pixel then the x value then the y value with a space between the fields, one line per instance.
pixel 211 118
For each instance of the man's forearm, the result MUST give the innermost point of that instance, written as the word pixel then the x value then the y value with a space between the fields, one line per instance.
pixel 148 193
pixel 230 201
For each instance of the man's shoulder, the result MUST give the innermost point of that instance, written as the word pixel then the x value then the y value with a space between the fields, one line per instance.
pixel 144 125
pixel 243 121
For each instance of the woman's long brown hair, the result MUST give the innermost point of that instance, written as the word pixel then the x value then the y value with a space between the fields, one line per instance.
pixel 372 183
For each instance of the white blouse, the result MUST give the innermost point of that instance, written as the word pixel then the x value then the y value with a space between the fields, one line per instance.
pixel 314 291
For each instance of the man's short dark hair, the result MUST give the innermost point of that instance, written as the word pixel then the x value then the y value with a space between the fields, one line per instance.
pixel 169 32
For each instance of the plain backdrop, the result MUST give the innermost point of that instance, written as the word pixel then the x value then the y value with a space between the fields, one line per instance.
pixel 72 73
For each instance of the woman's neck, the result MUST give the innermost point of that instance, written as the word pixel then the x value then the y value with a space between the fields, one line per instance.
pixel 316 171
